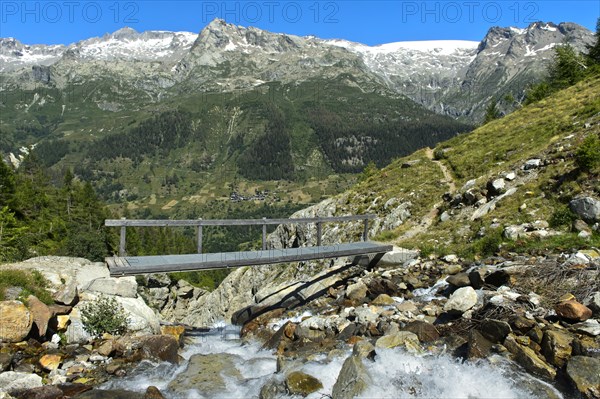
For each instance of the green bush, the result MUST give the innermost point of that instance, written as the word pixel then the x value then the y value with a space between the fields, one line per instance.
pixel 31 283
pixel 105 315
pixel 587 156
pixel 562 216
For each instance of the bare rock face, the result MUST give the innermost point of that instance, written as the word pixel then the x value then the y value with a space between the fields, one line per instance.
pixel 15 321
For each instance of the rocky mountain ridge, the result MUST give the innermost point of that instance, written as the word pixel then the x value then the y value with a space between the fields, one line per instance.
pixel 452 77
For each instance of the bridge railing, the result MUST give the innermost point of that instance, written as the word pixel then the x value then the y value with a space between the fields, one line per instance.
pixel 123 223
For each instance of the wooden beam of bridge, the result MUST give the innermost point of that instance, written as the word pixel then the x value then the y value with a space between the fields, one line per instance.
pixel 200 223
pixel 134 265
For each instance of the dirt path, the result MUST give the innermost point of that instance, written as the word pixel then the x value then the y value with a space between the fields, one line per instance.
pixel 430 216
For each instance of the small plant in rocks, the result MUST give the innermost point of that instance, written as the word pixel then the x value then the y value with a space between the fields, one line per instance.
pixel 105 315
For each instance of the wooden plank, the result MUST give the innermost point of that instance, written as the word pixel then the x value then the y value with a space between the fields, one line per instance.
pixel 175 263
pixel 231 222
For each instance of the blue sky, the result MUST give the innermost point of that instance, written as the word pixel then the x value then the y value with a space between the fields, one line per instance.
pixel 370 22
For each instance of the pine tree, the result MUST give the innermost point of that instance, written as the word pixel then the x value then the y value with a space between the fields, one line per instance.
pixel 492 112
pixel 594 50
pixel 568 67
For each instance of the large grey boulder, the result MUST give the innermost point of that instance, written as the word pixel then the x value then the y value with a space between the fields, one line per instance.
pixel 587 208
pixel 398 256
pixel 583 372
pixel 12 381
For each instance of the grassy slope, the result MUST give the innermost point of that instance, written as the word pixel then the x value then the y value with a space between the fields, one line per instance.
pixel 551 130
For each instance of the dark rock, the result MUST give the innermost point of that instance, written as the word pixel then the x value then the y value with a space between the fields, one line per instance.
pixel 556 347
pixel 153 393
pixel 285 333
pixel 45 392
pixel 536 334
pixel 71 390
pixel 478 346
pixel 273 389
pixel 499 278
pixel 425 331
pixel 379 286
pixel 527 358
pixel 522 324
pixel 160 347
pixel 459 280
pixel 109 394
pixel 476 280
pixel 351 330
pixel 495 330
pixel 583 372
pixel 41 316
pixel 5 360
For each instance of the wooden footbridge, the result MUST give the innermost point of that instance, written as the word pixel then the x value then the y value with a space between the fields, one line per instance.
pixel 124 265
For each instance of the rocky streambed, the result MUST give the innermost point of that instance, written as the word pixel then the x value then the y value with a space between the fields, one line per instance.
pixel 510 327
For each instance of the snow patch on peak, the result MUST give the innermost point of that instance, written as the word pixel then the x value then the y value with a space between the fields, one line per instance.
pixel 441 47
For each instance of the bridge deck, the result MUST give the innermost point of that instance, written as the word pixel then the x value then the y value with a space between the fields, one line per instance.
pixel 132 265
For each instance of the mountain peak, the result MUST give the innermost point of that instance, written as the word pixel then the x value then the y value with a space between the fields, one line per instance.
pixel 125 33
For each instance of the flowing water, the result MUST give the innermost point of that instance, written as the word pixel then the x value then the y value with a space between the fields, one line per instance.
pixel 396 374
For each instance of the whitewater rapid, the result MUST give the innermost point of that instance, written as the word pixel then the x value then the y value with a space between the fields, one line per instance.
pixel 395 374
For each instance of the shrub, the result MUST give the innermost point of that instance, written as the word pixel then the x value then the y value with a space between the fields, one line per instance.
pixel 105 315
pixel 587 156
pixel 31 283
pixel 562 216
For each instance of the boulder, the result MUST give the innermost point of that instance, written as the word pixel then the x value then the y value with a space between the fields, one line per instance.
pixel 50 362
pixel 160 347
pixel 12 381
pixel 125 287
pixel 495 330
pixel 556 347
pixel 66 294
pixel 425 332
pixel 302 384
pixel 153 392
pixel 459 280
pixel 593 302
pixel 496 187
pixel 176 332
pixel 5 361
pixel 357 291
pixel 352 380
pixel 532 164
pixel 573 310
pixel 41 315
pixel 273 389
pixel 478 347
pixel 15 321
pixel 587 208
pixel 403 338
pixel 364 350
pixel 110 394
pixel 397 256
pixel 588 327
pixel 206 373
pixel 583 372
pixel 383 300
pixel 514 232
pixel 43 392
pixel 527 358
pixel 461 300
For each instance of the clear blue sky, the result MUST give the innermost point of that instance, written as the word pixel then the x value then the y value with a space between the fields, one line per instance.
pixel 370 22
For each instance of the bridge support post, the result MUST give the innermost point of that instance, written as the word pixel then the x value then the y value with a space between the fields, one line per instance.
pixel 319 233
pixel 365 236
pixel 199 243
pixel 264 236
pixel 123 240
